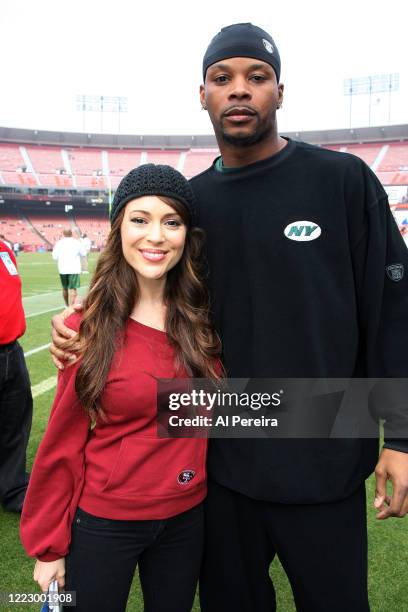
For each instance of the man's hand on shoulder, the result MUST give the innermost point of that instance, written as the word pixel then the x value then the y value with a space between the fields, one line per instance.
pixel 392 465
pixel 60 333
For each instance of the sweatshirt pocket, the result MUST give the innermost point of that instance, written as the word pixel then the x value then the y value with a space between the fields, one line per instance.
pixel 152 467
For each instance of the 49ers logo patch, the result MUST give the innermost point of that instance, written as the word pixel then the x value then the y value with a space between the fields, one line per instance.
pixel 185 476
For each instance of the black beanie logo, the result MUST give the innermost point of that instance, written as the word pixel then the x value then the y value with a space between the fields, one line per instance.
pixel 268 46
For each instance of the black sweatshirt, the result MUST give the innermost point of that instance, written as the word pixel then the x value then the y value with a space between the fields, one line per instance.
pixel 284 307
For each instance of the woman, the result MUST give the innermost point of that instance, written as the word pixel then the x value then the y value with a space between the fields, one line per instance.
pixel 105 493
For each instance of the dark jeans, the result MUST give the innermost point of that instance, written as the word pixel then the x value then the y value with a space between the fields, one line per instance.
pixel 322 547
pixel 16 409
pixel 104 554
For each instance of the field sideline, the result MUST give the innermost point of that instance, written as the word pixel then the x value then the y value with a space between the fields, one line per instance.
pixel 388 541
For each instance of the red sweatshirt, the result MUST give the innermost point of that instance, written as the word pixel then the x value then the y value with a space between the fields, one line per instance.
pixel 12 319
pixel 119 469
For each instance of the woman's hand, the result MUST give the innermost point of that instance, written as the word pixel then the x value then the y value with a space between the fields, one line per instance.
pixel 47 571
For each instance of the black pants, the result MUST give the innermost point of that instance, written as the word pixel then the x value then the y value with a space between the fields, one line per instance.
pixel 16 410
pixel 322 547
pixel 104 554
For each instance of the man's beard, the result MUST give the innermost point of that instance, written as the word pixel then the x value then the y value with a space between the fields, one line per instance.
pixel 261 132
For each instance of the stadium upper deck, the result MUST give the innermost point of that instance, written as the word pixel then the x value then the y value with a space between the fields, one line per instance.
pixel 55 167
pixel 75 162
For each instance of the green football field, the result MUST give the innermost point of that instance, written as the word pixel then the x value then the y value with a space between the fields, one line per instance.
pixel 388 540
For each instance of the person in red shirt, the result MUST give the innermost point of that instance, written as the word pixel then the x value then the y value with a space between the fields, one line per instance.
pixel 16 404
pixel 106 494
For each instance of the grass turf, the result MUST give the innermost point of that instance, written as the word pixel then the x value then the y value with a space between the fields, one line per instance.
pixel 388 541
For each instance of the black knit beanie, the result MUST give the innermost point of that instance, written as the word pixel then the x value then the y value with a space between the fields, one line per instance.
pixel 152 179
pixel 242 40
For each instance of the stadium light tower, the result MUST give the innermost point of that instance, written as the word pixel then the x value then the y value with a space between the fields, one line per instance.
pixel 377 83
pixel 101 104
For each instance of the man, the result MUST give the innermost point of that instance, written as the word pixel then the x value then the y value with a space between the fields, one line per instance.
pixel 16 405
pixel 68 252
pixel 327 306
pixel 86 244
pixel 323 307
pixel 6 242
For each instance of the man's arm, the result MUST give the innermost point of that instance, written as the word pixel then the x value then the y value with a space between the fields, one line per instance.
pixel 59 334
pixel 55 251
pixel 380 260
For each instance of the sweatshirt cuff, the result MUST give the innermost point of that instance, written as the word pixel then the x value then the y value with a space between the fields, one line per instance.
pixel 50 556
pixel 398 444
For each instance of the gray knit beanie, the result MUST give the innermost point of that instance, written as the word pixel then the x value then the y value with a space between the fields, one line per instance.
pixel 152 179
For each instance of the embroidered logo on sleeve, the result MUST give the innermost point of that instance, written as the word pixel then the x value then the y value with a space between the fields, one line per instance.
pixel 185 476
pixel 6 259
pixel 302 231
pixel 395 272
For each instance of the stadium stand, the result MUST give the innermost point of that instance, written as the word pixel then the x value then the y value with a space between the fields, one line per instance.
pixel 48 226
pixel 86 166
pixel 69 181
pixel 49 166
pixel 368 152
pixel 198 160
pixel 95 227
pixel 13 167
pixel 10 157
pixel 89 170
pixel 396 158
pixel 23 179
pixel 393 169
pixel 120 162
pixel 15 229
pixel 171 158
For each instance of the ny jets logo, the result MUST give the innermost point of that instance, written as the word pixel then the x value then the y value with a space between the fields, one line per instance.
pixel 302 231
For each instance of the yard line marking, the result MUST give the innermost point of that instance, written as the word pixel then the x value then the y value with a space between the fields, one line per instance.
pixel 35 263
pixel 37 314
pixel 36 350
pixel 44 386
pixel 56 293
pixel 43 303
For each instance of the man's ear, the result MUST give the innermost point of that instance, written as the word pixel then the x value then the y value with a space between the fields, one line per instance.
pixel 202 97
pixel 281 87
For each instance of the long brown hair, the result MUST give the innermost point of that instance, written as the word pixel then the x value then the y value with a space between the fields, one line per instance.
pixel 112 295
